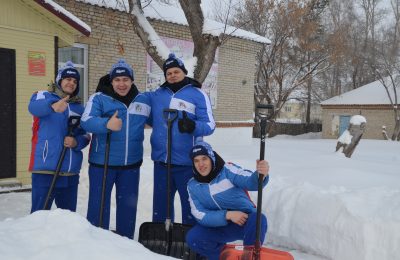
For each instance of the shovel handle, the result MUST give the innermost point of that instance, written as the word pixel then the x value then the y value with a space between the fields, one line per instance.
pixel 73 122
pixel 169 115
pixel 104 180
pixel 263 130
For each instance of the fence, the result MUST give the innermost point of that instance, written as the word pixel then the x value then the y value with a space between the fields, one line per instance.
pixel 274 129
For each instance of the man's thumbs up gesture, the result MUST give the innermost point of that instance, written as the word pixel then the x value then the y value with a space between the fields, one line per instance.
pixel 115 123
pixel 60 105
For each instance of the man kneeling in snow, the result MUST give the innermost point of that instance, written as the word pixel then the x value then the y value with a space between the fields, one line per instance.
pixel 220 203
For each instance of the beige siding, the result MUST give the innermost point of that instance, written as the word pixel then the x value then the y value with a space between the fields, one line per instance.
pixel 376 118
pixel 28 16
pixel 22 42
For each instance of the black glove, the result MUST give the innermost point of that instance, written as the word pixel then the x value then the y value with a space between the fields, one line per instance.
pixel 185 124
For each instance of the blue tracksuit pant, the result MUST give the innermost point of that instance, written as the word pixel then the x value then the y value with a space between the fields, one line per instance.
pixel 65 191
pixel 180 175
pixel 126 194
pixel 209 241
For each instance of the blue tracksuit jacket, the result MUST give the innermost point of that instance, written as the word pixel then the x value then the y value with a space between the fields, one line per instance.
pixel 198 107
pixel 126 146
pixel 49 130
pixel 209 202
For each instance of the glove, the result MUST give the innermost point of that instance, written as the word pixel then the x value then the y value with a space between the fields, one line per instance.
pixel 185 124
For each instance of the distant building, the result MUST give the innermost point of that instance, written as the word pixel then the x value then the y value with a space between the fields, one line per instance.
pixel 295 111
pixel 370 101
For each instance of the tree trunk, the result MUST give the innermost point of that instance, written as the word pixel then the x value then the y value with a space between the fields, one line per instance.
pixel 308 110
pixel 396 131
pixel 205 46
pixel 356 131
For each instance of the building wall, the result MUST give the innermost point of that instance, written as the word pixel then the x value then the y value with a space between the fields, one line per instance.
pixel 376 116
pixel 296 111
pixel 112 37
pixel 22 42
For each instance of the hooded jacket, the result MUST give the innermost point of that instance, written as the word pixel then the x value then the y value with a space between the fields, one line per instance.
pixel 209 202
pixel 126 147
pixel 195 102
pixel 48 132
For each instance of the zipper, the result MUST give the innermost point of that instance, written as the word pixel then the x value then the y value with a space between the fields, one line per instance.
pixel 169 106
pixel 127 129
pixel 127 135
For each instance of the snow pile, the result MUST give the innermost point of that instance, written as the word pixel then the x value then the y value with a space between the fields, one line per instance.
pixel 61 234
pixel 357 120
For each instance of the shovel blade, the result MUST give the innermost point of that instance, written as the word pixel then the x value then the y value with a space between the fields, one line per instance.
pixel 156 238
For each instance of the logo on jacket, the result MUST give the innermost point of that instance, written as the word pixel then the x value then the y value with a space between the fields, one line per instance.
pixel 182 105
pixel 138 108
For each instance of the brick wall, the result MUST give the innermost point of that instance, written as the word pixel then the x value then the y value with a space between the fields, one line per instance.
pixel 111 31
pixel 376 117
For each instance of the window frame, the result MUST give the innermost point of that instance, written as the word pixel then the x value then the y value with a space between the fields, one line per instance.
pixel 84 66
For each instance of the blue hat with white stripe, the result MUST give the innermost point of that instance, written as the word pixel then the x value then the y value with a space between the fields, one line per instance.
pixel 68 71
pixel 202 148
pixel 121 68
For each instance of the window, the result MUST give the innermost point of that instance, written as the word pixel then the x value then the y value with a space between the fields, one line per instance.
pixel 288 109
pixel 78 54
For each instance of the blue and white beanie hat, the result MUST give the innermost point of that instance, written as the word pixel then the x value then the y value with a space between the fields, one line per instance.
pixel 68 71
pixel 173 62
pixel 121 68
pixel 202 148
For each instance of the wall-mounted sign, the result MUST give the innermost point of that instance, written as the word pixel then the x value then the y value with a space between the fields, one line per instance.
pixel 36 63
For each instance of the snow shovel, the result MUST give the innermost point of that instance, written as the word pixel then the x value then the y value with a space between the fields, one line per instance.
pixel 103 187
pixel 256 252
pixel 73 122
pixel 167 238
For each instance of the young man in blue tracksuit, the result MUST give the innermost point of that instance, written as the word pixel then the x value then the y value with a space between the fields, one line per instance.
pixel 51 111
pixel 220 203
pixel 117 106
pixel 194 120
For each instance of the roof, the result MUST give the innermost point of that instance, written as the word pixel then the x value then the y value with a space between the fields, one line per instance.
pixel 66 16
pixel 172 14
pixel 371 94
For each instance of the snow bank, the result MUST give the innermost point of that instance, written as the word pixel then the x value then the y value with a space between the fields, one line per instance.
pixel 61 234
pixel 335 223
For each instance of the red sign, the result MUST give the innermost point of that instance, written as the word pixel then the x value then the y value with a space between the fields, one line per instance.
pixel 36 63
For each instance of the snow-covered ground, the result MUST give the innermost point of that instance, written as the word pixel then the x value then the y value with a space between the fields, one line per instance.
pixel 320 204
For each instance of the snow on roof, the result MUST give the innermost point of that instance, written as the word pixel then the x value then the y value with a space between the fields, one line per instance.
pixel 371 94
pixel 66 16
pixel 172 14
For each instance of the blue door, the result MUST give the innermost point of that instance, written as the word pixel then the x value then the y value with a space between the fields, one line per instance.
pixel 344 122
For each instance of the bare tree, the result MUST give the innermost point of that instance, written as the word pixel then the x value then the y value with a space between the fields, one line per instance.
pixel 388 75
pixel 205 44
pixel 283 66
